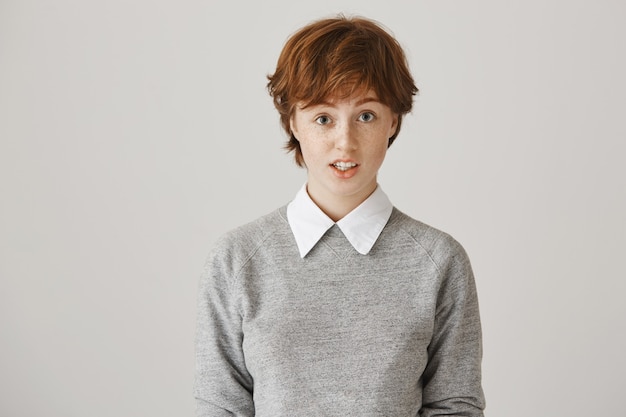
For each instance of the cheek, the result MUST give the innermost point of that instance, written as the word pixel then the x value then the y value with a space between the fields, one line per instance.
pixel 380 157
pixel 313 143
pixel 378 152
pixel 310 152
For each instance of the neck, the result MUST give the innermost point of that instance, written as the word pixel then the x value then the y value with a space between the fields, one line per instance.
pixel 337 207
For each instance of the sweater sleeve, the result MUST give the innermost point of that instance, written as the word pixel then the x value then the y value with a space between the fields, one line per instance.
pixel 452 378
pixel 223 386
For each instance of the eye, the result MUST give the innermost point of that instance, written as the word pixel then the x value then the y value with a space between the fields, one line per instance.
pixel 366 117
pixel 322 120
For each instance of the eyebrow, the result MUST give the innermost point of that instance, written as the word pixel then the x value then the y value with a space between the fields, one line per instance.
pixel 367 100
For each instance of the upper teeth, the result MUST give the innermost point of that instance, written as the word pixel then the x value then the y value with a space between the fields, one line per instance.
pixel 343 166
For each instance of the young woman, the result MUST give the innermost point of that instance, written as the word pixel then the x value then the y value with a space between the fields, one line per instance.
pixel 338 304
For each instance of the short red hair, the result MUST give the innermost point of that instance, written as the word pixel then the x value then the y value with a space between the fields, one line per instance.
pixel 335 58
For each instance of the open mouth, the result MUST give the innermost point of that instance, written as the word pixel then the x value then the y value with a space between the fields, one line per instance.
pixel 344 166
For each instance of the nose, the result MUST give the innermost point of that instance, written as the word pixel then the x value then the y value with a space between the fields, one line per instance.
pixel 346 137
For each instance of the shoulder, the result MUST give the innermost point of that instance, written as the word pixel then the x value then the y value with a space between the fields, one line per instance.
pixel 243 240
pixel 446 254
pixel 234 249
pixel 440 246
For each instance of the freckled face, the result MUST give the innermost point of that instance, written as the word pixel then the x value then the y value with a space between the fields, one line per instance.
pixel 343 143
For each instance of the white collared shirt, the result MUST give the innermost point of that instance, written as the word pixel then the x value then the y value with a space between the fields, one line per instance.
pixel 361 226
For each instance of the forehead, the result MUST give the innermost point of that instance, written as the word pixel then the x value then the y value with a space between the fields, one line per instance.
pixel 356 99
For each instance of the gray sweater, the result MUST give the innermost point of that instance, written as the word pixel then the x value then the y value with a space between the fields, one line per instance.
pixel 395 332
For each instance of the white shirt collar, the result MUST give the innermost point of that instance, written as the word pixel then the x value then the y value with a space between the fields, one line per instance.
pixel 361 226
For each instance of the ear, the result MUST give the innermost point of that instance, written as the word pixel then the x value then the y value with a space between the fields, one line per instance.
pixel 292 126
pixel 394 125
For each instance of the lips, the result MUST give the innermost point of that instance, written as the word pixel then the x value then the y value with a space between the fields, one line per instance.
pixel 344 165
pixel 344 169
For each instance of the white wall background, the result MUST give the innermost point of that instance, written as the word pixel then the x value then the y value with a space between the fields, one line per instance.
pixel 133 132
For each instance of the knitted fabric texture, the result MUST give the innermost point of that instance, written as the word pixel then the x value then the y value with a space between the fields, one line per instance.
pixel 395 332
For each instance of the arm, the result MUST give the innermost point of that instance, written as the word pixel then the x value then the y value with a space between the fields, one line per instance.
pixel 452 378
pixel 223 386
